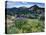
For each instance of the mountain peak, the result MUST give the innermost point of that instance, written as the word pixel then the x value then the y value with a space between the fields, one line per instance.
pixel 23 7
pixel 35 6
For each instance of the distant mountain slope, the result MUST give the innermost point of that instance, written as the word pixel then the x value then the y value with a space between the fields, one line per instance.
pixel 24 10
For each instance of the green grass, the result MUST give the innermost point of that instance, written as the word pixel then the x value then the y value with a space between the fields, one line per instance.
pixel 26 26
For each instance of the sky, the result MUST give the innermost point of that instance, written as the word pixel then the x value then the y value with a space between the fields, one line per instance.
pixel 13 3
pixel 42 1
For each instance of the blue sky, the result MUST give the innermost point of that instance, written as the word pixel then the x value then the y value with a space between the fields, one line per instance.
pixel 11 4
pixel 42 1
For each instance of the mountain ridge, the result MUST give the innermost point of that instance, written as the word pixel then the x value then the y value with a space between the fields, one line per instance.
pixel 23 10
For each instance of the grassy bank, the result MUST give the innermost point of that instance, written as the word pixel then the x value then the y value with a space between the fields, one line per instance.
pixel 26 26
